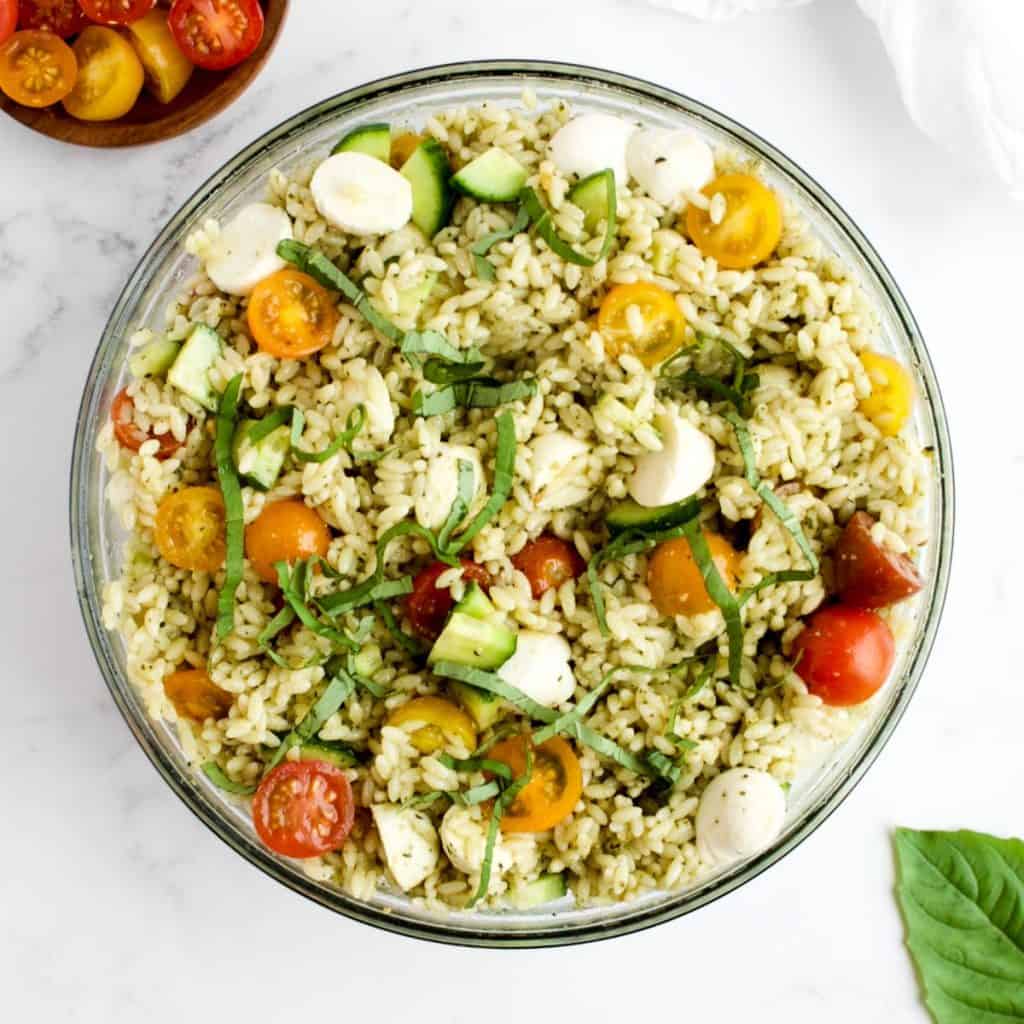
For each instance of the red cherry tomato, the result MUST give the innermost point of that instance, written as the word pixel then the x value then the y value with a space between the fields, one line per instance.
pixel 427 606
pixel 132 437
pixel 116 12
pixel 844 654
pixel 548 562
pixel 216 34
pixel 61 17
pixel 304 808
pixel 8 18
pixel 867 575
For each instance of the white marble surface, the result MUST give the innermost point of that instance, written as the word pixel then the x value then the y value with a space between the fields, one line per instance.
pixel 116 905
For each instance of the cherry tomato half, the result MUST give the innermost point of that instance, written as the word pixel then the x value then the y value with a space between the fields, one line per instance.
pixel 8 18
pixel 440 722
pixel 285 531
pixel 675 580
pixel 61 17
pixel 428 606
pixel 216 34
pixel 291 315
pixel 554 787
pixel 116 12
pixel 36 68
pixel 303 808
pixel 844 655
pixel 110 76
pixel 642 319
pixel 132 437
pixel 195 695
pixel 892 393
pixel 867 575
pixel 166 68
pixel 190 529
pixel 548 562
pixel 749 231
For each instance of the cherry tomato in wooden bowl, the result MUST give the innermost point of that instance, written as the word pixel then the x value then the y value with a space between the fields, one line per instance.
pixel 61 17
pixel 428 606
pixel 37 69
pixel 8 18
pixel 133 437
pixel 216 34
pixel 548 562
pixel 116 12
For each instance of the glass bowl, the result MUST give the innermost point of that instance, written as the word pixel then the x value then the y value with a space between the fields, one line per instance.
pixel 96 538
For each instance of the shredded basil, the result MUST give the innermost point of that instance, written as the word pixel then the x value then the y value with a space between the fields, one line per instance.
pixel 493 683
pixel 737 393
pixel 281 621
pixel 476 393
pixel 465 490
pixel 430 343
pixel 484 267
pixel 476 764
pixel 442 373
pixel 215 774
pixel 227 474
pixel 353 424
pixel 423 800
pixel 266 426
pixel 541 218
pixel 296 601
pixel 408 643
pixel 477 794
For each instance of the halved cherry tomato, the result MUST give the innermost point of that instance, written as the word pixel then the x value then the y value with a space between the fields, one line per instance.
pixel 61 17
pixel 8 18
pixel 675 580
pixel 867 575
pixel 428 606
pixel 554 787
pixel 441 721
pixel 195 695
pixel 403 146
pixel 844 655
pixel 285 531
pixel 291 315
pixel 216 34
pixel 116 12
pixel 750 229
pixel 167 69
pixel 642 319
pixel 548 562
pixel 892 393
pixel 304 808
pixel 36 68
pixel 132 437
pixel 190 529
pixel 110 76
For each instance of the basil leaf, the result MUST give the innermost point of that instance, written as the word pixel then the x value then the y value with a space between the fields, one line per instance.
pixel 431 343
pixel 541 218
pixel 336 693
pixel 266 426
pixel 480 248
pixel 476 393
pixel 493 683
pixel 465 489
pixel 353 424
pixel 215 774
pixel 234 513
pixel 294 599
pixel 408 643
pixel 962 896
pixel 437 371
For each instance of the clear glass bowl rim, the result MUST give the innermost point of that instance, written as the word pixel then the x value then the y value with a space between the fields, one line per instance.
pixel 548 933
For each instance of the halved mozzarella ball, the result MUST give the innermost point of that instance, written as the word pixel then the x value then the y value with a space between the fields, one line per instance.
pixel 540 667
pixel 361 195
pixel 365 386
pixel 684 465
pixel 591 143
pixel 245 251
pixel 556 470
pixel 665 163
pixel 440 484
pixel 409 841
pixel 464 839
pixel 740 812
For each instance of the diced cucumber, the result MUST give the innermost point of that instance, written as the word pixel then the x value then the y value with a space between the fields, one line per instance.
pixel 338 754
pixel 483 707
pixel 628 515
pixel 477 604
pixel 154 359
pixel 429 173
pixel 260 462
pixel 492 177
pixel 372 139
pixel 473 642
pixel 545 889
pixel 367 660
pixel 410 300
pixel 190 372
pixel 591 196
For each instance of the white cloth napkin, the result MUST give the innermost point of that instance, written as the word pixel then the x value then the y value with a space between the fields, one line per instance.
pixel 959 64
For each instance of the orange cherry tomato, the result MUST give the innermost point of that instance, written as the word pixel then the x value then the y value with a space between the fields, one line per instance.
pixel 285 531
pixel 61 17
pixel 642 319
pixel 548 562
pixel 291 315
pixel 749 231
pixel 304 808
pixel 403 146
pixel 674 578
pixel 132 437
pixel 116 12
pixel 440 722
pixel 190 529
pixel 195 695
pixel 37 69
pixel 554 787
pixel 8 18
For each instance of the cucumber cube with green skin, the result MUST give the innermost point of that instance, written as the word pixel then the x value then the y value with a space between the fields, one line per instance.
pixel 261 462
pixel 545 889
pixel 154 359
pixel 591 196
pixel 372 139
pixel 477 604
pixel 483 707
pixel 473 642
pixel 190 371
pixel 492 177
pixel 429 173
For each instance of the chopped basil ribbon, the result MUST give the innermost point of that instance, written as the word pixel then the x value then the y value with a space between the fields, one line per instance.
pixel 482 246
pixel 266 426
pixel 408 643
pixel 465 490
pixel 295 600
pixel 215 774
pixel 234 512
pixel 493 683
pixel 476 764
pixel 737 393
pixel 323 270
pixel 541 218
pixel 281 621
pixel 475 393
pixel 442 373
pixel 432 344
pixel 353 424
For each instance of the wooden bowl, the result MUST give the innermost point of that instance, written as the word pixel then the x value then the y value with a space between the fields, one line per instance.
pixel 207 94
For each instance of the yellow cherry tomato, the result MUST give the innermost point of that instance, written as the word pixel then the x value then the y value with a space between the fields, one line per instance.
pixel 892 393
pixel 441 721
pixel 110 76
pixel 36 68
pixel 166 68
pixel 750 229
pixel 403 146
pixel 642 319
pixel 190 529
